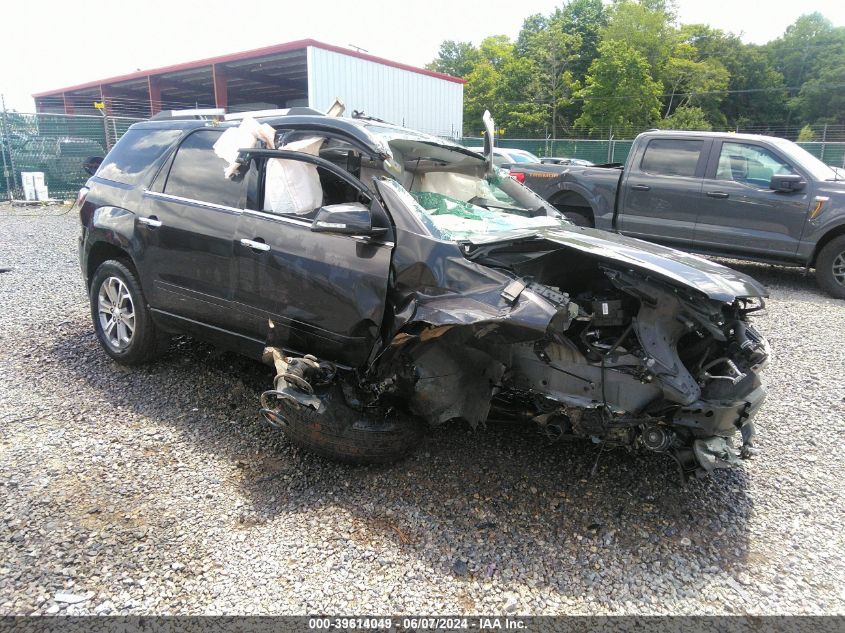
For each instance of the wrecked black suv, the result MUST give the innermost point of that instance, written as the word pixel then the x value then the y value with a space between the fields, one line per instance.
pixel 398 280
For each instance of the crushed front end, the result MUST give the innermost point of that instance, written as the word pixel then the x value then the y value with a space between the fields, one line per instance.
pixel 498 309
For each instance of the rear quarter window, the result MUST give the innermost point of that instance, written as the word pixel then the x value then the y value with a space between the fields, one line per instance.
pixel 671 157
pixel 135 152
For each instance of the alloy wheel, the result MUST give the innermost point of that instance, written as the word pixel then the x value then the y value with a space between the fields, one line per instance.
pixel 116 313
pixel 839 269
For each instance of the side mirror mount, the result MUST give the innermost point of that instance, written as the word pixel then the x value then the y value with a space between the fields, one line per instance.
pixel 92 164
pixel 787 183
pixel 345 219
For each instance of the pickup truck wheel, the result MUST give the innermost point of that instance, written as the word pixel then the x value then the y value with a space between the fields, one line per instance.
pixel 122 321
pixel 344 434
pixel 830 267
pixel 575 216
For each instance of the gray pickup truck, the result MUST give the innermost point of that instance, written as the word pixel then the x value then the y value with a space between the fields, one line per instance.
pixel 735 195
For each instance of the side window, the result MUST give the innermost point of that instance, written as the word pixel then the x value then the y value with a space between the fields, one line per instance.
pixel 197 173
pixel 671 157
pixel 135 152
pixel 750 165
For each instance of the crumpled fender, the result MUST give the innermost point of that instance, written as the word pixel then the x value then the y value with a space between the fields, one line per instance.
pixel 436 285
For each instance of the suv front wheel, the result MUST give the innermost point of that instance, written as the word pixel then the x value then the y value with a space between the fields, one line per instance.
pixel 830 267
pixel 121 318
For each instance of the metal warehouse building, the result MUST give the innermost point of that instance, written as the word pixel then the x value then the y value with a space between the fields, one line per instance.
pixel 301 73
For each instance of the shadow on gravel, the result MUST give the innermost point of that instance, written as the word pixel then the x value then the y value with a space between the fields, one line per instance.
pixel 506 503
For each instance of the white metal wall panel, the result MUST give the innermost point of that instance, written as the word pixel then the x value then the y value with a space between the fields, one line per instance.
pixel 403 97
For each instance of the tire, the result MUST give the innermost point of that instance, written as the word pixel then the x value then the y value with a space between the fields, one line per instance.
pixel 577 217
pixel 343 434
pixel 115 286
pixel 830 267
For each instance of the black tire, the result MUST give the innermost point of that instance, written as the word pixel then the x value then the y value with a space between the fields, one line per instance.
pixel 341 433
pixel 576 215
pixel 832 256
pixel 147 341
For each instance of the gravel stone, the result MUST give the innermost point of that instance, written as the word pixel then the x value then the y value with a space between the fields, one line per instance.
pixel 158 489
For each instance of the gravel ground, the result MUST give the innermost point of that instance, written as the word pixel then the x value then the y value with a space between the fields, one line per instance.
pixel 158 490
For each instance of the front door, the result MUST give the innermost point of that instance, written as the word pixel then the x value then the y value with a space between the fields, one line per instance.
pixel 311 292
pixel 661 191
pixel 739 212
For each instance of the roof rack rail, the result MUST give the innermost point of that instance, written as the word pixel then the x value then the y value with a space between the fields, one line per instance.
pixel 259 114
pixel 194 113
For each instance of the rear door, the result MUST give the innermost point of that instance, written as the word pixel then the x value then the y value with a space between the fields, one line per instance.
pixel 740 213
pixel 661 190
pixel 188 228
pixel 309 292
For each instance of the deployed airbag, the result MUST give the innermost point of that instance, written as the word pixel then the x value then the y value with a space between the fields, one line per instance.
pixel 292 186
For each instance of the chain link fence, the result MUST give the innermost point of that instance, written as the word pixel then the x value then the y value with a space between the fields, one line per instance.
pixel 56 145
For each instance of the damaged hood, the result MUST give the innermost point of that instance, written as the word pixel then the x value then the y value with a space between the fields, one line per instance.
pixel 718 282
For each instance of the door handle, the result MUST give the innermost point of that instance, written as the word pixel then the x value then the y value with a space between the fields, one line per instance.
pixel 153 222
pixel 256 245
pixel 717 194
pixel 640 187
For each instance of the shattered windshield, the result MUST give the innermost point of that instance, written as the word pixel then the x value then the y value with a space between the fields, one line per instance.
pixel 460 207
pixel 452 193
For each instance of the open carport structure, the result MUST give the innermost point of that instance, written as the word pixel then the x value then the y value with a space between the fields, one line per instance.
pixel 301 73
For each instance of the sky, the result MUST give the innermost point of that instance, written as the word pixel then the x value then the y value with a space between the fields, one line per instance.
pixel 53 44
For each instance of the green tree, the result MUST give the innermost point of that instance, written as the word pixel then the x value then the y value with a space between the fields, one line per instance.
pixel 585 19
pixel 798 52
pixel 697 84
pixel 806 135
pixel 686 118
pixel 519 107
pixel 495 83
pixel 822 99
pixel 550 52
pixel 455 58
pixel 756 90
pixel 645 26
pixel 480 93
pixel 619 90
pixel 811 56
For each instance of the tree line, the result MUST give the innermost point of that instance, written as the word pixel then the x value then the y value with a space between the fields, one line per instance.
pixel 591 68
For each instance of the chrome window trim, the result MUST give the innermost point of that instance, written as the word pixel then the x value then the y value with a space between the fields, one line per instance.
pixel 193 202
pixel 259 214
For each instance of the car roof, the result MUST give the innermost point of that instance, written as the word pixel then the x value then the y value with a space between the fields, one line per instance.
pixel 356 128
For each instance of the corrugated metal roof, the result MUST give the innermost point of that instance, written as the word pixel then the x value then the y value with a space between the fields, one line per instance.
pixel 250 55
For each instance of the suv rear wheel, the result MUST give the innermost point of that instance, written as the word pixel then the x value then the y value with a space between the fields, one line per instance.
pixel 830 267
pixel 121 319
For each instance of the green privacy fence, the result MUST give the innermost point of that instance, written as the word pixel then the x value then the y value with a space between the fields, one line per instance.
pixel 55 145
pixel 605 151
pixel 597 151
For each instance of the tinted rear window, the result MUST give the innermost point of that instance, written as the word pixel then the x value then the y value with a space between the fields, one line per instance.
pixel 134 153
pixel 197 173
pixel 672 157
